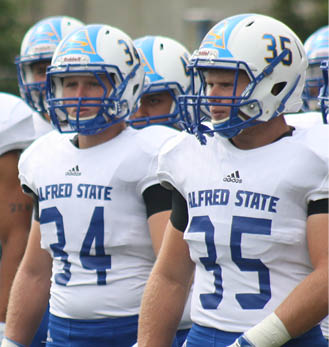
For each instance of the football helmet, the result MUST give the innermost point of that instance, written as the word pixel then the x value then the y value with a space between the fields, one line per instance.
pixel 38 45
pixel 272 56
pixel 165 63
pixel 100 51
pixel 317 49
pixel 324 91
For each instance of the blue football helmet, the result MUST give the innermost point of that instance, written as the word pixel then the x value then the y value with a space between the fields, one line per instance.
pixel 103 52
pixel 317 50
pixel 165 63
pixel 324 91
pixel 269 53
pixel 38 45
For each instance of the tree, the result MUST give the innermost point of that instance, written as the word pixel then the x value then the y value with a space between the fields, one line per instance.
pixel 302 16
pixel 12 32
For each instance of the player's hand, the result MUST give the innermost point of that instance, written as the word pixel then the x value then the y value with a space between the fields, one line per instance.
pixel 242 341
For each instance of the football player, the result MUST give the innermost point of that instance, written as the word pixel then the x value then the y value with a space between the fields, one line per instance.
pixel 255 228
pixel 314 104
pixel 16 133
pixel 101 210
pixel 317 50
pixel 324 91
pixel 166 78
pixel 37 48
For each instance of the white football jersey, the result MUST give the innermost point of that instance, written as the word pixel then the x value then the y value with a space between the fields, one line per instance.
pixel 247 220
pixel 41 125
pixel 304 119
pixel 93 218
pixel 16 123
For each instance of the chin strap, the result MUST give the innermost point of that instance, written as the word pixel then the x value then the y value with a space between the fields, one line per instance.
pixel 270 67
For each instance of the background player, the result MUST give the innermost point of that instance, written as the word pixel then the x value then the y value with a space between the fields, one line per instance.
pixel 101 208
pixel 324 92
pixel 166 77
pixel 16 133
pixel 258 242
pixel 37 48
pixel 317 50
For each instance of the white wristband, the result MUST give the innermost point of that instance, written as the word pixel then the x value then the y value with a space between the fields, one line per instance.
pixel 2 328
pixel 270 332
pixel 10 343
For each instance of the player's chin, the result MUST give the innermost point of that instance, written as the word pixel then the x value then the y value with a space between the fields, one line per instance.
pixel 218 117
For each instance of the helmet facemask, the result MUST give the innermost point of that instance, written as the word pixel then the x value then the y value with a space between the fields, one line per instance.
pixel 108 57
pixel 111 107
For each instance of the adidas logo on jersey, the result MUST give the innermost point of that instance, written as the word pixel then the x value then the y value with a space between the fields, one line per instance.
pixel 73 172
pixel 234 177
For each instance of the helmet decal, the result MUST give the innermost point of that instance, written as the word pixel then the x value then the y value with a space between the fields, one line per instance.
pixel 275 64
pixel 44 39
pixel 165 62
pixel 317 50
pixel 79 48
pixel 107 55
pixel 272 48
pixel 145 49
pixel 38 47
pixel 217 38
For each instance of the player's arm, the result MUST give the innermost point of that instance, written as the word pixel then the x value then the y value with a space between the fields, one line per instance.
pixel 30 292
pixel 166 291
pixel 168 285
pixel 15 222
pixel 158 208
pixel 307 304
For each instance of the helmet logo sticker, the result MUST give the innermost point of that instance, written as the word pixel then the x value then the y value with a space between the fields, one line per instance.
pixel 150 74
pixel 216 39
pixel 44 39
pixel 272 48
pixel 79 47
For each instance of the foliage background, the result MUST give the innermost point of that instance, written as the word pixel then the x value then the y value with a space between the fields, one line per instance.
pixel 303 16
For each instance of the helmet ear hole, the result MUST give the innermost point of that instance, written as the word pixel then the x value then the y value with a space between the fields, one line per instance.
pixel 277 88
pixel 135 88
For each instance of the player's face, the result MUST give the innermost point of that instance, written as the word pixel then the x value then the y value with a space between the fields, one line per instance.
pixel 220 83
pixel 154 104
pixel 84 87
pixel 39 71
pixel 314 76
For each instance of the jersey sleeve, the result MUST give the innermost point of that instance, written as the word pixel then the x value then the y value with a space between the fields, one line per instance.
pixel 172 162
pixel 151 139
pixel 317 140
pixel 16 124
pixel 30 162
